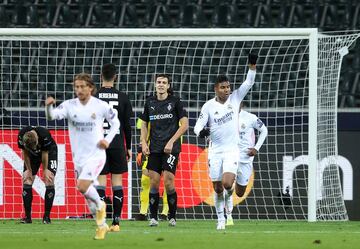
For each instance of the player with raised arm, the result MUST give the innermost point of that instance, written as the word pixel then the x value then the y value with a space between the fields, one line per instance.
pixel 86 116
pixel 248 123
pixel 168 121
pixel 118 154
pixel 218 119
pixel 38 147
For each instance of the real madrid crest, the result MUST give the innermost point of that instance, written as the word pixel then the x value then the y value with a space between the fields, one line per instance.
pixel 93 116
pixel 243 126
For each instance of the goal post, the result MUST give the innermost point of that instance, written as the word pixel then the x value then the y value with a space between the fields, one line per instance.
pixel 296 173
pixel 312 166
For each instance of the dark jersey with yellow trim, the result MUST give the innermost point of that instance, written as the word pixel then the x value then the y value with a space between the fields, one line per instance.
pixel 45 140
pixel 121 103
pixel 164 116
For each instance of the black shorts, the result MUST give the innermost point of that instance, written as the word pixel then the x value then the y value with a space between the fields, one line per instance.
pixel 159 162
pixel 116 162
pixel 52 163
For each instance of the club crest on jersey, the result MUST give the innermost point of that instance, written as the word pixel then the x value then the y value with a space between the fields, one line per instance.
pixel 229 107
pixel 216 113
pixel 243 126
pixel 169 107
pixel 75 116
pixel 93 116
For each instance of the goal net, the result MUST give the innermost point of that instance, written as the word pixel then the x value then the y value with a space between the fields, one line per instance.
pixel 296 173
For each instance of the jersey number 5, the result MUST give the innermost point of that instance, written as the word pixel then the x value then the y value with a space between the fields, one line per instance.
pixel 112 104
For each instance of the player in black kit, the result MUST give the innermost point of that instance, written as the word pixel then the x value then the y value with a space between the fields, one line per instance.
pixel 118 154
pixel 168 121
pixel 38 147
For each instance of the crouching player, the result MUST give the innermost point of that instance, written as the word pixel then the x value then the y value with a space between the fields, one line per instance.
pixel 38 147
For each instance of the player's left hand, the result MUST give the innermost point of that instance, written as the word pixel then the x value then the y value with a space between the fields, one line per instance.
pixel 103 144
pixel 252 152
pixel 168 147
pixel 139 159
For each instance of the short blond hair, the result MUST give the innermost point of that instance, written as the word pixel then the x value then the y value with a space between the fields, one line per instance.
pixel 30 140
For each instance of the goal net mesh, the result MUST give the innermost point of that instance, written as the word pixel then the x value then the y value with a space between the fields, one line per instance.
pixel 34 67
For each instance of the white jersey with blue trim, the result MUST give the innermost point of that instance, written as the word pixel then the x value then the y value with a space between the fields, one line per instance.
pixel 222 119
pixel 247 123
pixel 86 126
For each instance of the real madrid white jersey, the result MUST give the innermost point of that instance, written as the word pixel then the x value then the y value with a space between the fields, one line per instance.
pixel 247 123
pixel 222 119
pixel 86 125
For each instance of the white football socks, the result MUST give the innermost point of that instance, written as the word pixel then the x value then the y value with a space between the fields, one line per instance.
pixel 219 206
pixel 93 196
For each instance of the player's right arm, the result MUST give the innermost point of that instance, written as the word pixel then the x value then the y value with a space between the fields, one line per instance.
pixel 27 175
pixel 144 130
pixel 26 157
pixel 52 113
pixel 24 152
pixel 143 138
pixel 200 127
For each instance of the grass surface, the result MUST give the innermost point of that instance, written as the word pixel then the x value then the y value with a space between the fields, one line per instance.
pixel 68 234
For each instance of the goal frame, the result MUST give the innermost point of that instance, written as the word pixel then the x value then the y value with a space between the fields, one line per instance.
pixel 214 34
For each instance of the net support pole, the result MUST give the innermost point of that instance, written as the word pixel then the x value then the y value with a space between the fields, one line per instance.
pixel 313 106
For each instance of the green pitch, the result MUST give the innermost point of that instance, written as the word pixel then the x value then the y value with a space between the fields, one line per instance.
pixel 68 234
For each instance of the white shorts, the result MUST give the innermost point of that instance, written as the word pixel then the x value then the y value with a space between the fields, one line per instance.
pixel 90 169
pixel 244 173
pixel 220 163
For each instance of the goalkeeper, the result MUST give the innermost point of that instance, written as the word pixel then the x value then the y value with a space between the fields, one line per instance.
pixel 145 186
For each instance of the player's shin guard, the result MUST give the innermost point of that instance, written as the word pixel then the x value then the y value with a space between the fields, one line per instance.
pixel 101 192
pixel 27 199
pixel 144 194
pixel 172 202
pixel 118 195
pixel 219 206
pixel 49 199
pixel 154 203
